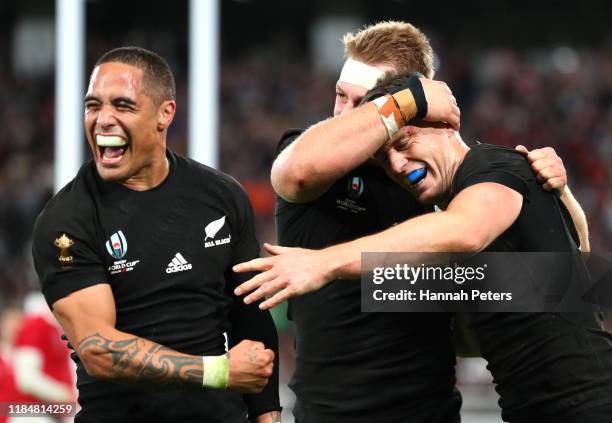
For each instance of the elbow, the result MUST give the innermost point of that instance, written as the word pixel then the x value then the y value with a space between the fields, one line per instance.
pixel 469 241
pixel 292 185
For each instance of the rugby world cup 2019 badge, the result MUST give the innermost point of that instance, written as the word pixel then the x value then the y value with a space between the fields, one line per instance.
pixel 64 243
pixel 354 190
pixel 355 187
pixel 117 247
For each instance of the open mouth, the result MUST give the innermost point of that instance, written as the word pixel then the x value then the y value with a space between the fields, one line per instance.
pixel 111 148
pixel 416 176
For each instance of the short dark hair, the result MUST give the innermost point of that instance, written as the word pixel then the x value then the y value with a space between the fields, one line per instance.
pixel 158 81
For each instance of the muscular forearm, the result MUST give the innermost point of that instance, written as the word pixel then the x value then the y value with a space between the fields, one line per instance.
pixel 326 152
pixel 118 355
pixel 578 217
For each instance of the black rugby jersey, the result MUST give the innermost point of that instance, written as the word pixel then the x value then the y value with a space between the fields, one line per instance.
pixel 546 365
pixel 353 366
pixel 167 255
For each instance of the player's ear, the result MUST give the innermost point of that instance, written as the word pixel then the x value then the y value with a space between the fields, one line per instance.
pixel 165 114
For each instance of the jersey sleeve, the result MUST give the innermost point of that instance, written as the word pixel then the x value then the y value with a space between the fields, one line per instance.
pixel 64 253
pixel 497 165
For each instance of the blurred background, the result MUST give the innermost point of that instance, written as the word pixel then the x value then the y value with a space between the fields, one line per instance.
pixel 534 74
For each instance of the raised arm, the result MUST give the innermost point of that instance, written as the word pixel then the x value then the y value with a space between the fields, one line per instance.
pixel 475 217
pixel 330 149
pixel 88 318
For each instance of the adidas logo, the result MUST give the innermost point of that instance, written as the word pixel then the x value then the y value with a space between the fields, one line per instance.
pixel 178 264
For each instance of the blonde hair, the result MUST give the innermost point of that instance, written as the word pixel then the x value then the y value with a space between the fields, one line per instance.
pixel 398 44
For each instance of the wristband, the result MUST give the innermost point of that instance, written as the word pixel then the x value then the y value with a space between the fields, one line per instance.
pixel 390 114
pixel 413 106
pixel 416 88
pixel 216 371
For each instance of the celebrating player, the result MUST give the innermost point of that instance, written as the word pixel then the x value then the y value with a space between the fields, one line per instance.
pixel 329 192
pixel 134 256
pixel 546 366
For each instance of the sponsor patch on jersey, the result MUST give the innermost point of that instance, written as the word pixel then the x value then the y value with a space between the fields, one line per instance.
pixel 210 232
pixel 178 264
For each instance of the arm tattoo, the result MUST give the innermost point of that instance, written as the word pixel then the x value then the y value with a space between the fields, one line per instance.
pixel 137 358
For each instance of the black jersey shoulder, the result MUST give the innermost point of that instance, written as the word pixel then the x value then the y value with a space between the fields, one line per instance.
pixel 71 206
pixel 492 163
pixel 218 181
pixel 287 138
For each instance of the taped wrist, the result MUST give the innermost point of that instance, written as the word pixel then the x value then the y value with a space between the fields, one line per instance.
pixel 411 98
pixel 390 113
pixel 216 371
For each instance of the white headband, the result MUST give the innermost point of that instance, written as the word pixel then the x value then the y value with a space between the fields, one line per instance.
pixel 358 73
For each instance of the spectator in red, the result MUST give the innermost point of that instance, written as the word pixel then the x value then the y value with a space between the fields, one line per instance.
pixel 41 360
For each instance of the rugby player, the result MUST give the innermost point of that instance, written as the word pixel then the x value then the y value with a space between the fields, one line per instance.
pixel 134 257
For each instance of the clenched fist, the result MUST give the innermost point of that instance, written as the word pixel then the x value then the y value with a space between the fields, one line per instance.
pixel 250 366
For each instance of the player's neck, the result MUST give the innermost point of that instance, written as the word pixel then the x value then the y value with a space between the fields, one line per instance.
pixel 149 177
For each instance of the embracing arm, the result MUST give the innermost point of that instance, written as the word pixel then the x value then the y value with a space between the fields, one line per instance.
pixel 330 149
pixel 551 172
pixel 475 217
pixel 327 151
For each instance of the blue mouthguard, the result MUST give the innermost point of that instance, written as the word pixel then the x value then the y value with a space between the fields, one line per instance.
pixel 416 175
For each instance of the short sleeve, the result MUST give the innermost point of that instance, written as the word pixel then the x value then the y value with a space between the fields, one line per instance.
pixel 64 254
pixel 497 165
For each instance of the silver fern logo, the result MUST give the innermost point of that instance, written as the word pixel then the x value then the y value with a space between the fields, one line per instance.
pixel 213 227
pixel 211 230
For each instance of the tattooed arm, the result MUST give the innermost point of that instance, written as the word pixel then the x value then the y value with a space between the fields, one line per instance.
pixel 88 318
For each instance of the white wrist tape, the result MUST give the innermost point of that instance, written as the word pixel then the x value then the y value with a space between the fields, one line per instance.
pixel 390 114
pixel 216 371
pixel 358 73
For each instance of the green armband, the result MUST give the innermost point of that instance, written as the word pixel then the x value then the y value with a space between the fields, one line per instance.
pixel 216 371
